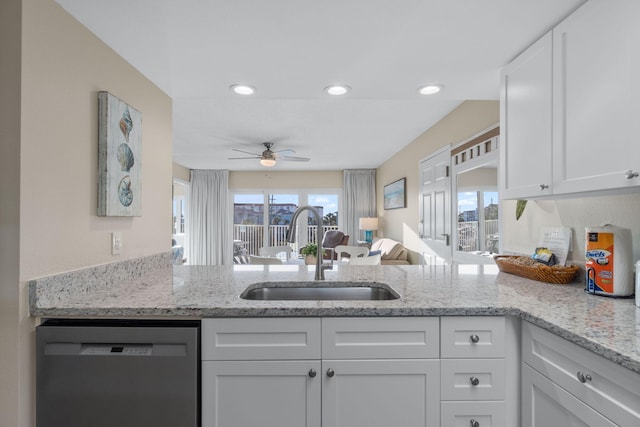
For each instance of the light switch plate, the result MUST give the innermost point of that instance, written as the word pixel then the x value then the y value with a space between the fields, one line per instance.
pixel 116 243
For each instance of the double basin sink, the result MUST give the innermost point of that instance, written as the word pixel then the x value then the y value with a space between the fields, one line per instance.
pixel 319 291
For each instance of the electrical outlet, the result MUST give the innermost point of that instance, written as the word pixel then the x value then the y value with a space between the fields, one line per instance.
pixel 116 243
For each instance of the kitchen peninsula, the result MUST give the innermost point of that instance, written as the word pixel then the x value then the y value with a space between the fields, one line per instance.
pixel 463 342
pixel 150 288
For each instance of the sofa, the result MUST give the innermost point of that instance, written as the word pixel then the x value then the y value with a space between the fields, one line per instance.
pixel 392 252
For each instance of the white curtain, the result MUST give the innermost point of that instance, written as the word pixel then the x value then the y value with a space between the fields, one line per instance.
pixel 359 200
pixel 210 225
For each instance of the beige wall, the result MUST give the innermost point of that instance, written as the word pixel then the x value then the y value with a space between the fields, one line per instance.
pixel 63 68
pixel 11 349
pixel 181 173
pixel 285 180
pixel 468 119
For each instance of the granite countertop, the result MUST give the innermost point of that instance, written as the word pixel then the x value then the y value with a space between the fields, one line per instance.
pixel 606 326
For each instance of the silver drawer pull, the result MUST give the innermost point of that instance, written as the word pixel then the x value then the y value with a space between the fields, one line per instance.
pixel 583 378
pixel 631 174
pixel 312 373
pixel 474 381
pixel 330 372
pixel 543 186
pixel 474 338
pixel 474 423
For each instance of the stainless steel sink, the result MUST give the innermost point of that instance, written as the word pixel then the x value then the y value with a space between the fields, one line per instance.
pixel 327 291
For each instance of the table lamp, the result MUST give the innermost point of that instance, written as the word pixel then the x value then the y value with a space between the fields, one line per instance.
pixel 368 225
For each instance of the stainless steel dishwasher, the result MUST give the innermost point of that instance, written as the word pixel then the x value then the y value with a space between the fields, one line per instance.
pixel 117 373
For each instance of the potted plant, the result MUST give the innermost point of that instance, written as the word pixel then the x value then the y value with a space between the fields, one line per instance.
pixel 310 252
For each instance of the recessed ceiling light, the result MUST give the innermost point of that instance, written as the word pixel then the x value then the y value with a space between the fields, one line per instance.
pixel 430 89
pixel 242 89
pixel 337 90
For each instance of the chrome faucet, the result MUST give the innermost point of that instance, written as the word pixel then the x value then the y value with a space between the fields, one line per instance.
pixel 291 236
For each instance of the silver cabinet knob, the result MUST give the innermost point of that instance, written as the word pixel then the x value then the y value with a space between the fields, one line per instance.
pixel 312 373
pixel 631 174
pixel 543 186
pixel 474 423
pixel 474 381
pixel 474 338
pixel 583 378
pixel 330 372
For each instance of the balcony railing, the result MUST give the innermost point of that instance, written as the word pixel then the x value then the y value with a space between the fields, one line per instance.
pixel 251 237
pixel 468 240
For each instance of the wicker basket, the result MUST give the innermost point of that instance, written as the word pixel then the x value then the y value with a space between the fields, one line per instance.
pixel 525 266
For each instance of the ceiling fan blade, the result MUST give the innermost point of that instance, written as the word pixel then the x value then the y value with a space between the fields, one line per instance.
pixel 286 152
pixel 243 158
pixel 246 152
pixel 295 159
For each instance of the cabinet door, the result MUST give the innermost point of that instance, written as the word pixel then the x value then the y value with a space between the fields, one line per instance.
pixel 546 404
pixel 380 393
pixel 596 91
pixel 261 394
pixel 525 123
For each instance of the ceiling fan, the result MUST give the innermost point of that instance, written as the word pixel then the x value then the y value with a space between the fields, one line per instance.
pixel 269 157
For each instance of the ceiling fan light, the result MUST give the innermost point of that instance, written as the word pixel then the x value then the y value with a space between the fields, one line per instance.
pixel 430 89
pixel 267 162
pixel 242 89
pixel 337 90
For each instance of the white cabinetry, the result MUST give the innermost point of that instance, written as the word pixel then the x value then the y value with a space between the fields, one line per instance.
pixel 381 372
pixel 474 371
pixel 525 110
pixel 271 372
pixel 564 384
pixel 596 61
pixel 569 106
pixel 261 372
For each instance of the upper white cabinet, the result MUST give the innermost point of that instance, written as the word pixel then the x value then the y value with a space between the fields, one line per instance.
pixel 525 110
pixel 596 66
pixel 569 106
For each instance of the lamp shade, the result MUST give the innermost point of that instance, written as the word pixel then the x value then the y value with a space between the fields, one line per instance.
pixel 267 162
pixel 368 223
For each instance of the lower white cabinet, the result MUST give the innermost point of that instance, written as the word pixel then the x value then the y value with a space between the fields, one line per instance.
pixel 545 404
pixel 283 390
pixel 261 393
pixel 563 383
pixel 380 393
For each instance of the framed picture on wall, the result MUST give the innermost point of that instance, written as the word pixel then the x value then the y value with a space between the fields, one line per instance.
pixel 119 157
pixel 395 194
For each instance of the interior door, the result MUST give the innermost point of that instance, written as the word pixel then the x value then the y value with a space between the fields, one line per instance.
pixel 435 204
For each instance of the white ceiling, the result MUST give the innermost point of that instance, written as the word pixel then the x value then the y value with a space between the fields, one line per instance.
pixel 291 49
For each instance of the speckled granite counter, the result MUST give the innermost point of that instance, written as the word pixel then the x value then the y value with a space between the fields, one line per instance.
pixel 609 327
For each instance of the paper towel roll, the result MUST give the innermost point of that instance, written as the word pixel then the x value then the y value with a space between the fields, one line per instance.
pixel 609 261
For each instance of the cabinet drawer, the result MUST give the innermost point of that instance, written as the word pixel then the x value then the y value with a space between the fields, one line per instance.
pixel 462 414
pixel 261 339
pixel 462 379
pixel 380 338
pixel 472 337
pixel 612 389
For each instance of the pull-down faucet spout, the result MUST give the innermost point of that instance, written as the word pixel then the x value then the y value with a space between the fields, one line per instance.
pixel 291 236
